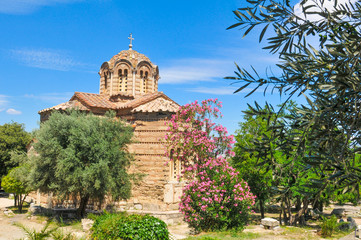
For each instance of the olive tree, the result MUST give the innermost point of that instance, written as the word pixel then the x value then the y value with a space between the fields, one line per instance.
pixel 325 133
pixel 83 156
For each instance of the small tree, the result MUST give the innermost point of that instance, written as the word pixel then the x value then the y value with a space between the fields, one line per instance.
pixel 83 155
pixel 15 183
pixel 216 197
pixel 13 137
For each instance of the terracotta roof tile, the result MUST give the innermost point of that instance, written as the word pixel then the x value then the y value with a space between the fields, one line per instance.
pixel 95 100
pixel 152 102
pixel 66 105
pixel 144 99
pixel 158 105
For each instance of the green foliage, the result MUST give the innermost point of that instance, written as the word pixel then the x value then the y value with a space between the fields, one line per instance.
pixel 121 226
pixel 11 185
pixel 329 226
pixel 82 155
pixel 226 235
pixel 60 235
pixel 17 180
pixel 32 234
pixel 323 136
pixel 348 197
pixel 13 137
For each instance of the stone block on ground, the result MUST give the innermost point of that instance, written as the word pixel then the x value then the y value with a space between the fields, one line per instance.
pixel 358 231
pixel 315 213
pixel 138 206
pixel 34 209
pixel 8 212
pixel 86 224
pixel 269 223
pixel 351 223
pixel 353 211
pixel 339 212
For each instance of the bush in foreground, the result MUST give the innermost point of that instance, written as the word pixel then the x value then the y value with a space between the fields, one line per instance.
pixel 128 227
pixel 215 197
pixel 218 199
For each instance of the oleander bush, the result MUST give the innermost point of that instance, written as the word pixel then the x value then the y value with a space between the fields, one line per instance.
pixel 218 199
pixel 129 227
pixel 215 197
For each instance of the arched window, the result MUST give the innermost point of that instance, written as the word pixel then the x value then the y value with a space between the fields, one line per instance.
pixel 125 80
pixel 105 81
pixel 145 82
pixel 120 75
pixel 123 76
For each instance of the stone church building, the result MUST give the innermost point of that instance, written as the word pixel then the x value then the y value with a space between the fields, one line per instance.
pixel 129 86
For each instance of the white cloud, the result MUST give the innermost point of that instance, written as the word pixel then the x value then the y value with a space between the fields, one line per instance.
pixel 327 4
pixel 46 59
pixel 3 102
pixel 194 70
pixel 12 111
pixel 28 6
pixel 55 98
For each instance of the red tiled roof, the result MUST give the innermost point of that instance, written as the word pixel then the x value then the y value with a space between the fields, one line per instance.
pixel 63 106
pixel 94 100
pixel 84 101
pixel 144 99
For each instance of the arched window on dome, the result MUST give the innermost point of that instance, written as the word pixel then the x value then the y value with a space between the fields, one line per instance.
pixel 123 77
pixel 125 80
pixel 105 81
pixel 145 80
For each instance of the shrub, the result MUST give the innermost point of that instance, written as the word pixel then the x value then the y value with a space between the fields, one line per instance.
pixel 218 199
pixel 32 234
pixel 127 227
pixel 329 226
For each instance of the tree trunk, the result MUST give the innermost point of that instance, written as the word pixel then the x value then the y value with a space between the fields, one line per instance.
pixel 298 203
pixel 81 210
pixel 300 215
pixel 15 200
pixel 318 205
pixel 261 208
pixel 285 219
pixel 289 210
pixel 21 202
pixel 280 217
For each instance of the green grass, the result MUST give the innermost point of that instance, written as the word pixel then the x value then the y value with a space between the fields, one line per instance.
pixel 224 236
pixel 24 210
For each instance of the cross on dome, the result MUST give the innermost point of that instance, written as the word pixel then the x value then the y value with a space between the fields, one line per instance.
pixel 130 38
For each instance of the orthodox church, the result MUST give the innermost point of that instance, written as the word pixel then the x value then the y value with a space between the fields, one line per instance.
pixel 129 86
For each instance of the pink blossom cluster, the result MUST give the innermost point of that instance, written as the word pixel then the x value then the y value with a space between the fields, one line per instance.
pixel 218 196
pixel 192 137
pixel 215 197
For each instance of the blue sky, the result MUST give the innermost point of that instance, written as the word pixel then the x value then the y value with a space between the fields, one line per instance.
pixel 51 48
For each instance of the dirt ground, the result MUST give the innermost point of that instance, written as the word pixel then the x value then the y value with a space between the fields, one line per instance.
pixel 8 231
pixel 7 228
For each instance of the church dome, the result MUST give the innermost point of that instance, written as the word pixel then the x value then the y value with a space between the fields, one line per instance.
pixel 128 72
pixel 132 56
